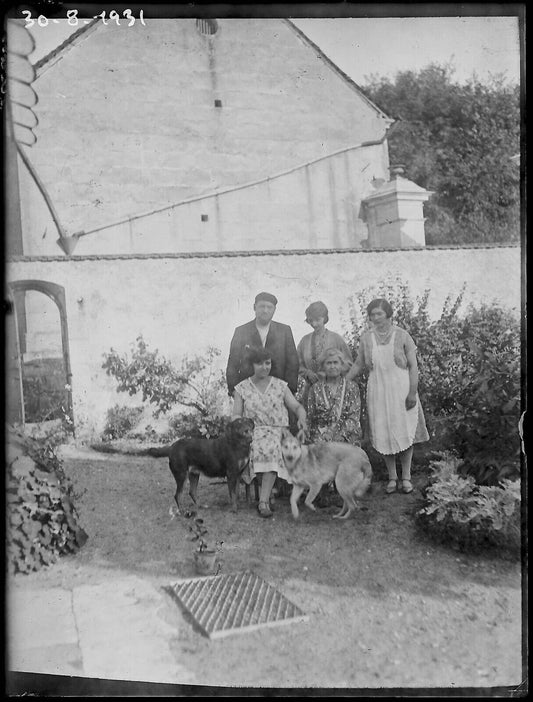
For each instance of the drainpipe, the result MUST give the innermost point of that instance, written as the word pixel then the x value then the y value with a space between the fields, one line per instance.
pixel 65 242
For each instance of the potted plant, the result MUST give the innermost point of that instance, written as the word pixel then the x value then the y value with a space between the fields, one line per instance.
pixel 205 558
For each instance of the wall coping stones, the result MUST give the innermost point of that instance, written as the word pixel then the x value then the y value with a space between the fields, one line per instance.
pixel 243 254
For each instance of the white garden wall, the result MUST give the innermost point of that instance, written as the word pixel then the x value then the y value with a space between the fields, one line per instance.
pixel 183 303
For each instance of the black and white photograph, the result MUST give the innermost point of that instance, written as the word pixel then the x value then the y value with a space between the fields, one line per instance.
pixel 265 339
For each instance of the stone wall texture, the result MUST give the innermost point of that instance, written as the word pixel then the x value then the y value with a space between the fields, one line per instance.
pixel 183 304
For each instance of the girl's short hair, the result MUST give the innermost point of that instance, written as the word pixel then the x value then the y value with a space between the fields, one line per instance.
pixel 316 310
pixel 332 352
pixel 382 304
pixel 258 354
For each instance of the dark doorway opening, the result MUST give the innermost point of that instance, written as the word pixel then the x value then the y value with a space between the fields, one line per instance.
pixel 41 348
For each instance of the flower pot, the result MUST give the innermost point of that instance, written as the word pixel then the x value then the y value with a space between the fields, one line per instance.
pixel 205 562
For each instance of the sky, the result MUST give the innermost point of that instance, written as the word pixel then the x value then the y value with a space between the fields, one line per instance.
pixel 382 46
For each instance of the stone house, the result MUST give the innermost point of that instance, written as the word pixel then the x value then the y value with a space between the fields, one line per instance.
pixel 200 135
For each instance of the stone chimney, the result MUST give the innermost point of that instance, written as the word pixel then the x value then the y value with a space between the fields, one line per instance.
pixel 394 213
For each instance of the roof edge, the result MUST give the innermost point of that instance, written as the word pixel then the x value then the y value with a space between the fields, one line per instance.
pixel 46 61
pixel 336 69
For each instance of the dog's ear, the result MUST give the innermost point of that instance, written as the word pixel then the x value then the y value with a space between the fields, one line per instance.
pixel 301 436
pixel 285 434
pixel 230 426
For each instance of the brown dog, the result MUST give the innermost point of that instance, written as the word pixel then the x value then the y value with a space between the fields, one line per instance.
pixel 224 457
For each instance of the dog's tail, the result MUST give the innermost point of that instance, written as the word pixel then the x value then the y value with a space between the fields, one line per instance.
pixel 363 486
pixel 157 451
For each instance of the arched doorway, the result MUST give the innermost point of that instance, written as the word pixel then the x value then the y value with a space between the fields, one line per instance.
pixel 41 348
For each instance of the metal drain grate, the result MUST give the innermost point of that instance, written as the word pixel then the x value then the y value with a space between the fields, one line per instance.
pixel 228 604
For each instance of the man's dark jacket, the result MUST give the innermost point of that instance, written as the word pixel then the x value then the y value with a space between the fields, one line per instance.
pixel 279 342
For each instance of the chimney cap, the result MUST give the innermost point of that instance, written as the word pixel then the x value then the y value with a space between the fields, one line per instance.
pixel 397 171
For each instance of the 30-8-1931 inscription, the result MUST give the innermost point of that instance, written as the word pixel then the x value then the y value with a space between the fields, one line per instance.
pixel 73 20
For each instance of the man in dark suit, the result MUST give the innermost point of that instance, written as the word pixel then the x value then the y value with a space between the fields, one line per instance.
pixel 262 331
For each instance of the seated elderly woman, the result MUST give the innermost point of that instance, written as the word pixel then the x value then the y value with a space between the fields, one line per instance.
pixel 266 399
pixel 334 404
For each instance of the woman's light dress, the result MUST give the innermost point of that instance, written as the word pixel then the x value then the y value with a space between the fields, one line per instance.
pixel 393 428
pixel 270 416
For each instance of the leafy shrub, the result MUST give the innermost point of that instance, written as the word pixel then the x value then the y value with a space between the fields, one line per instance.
pixel 42 521
pixel 484 430
pixel 489 473
pixel 196 384
pixel 193 425
pixel 468 516
pixel 148 433
pixel 120 420
pixel 469 375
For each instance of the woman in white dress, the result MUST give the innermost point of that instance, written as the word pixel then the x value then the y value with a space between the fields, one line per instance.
pixel 395 415
pixel 266 400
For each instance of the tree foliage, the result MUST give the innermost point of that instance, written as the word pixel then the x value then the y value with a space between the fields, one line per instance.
pixel 457 140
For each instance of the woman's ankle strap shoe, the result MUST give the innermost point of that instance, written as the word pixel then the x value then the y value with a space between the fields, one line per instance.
pixel 407 486
pixel 391 486
pixel 264 510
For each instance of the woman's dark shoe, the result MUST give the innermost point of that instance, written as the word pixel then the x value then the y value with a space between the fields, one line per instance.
pixel 264 510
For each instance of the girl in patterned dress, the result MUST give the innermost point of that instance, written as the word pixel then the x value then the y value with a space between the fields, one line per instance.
pixel 266 400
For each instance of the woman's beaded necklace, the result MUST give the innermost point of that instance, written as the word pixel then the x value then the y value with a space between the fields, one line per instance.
pixel 383 337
